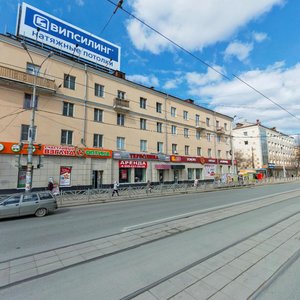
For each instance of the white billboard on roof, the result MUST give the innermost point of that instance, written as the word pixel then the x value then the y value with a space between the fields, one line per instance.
pixel 47 29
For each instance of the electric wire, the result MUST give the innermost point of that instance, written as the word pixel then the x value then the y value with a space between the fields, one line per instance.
pixel 202 61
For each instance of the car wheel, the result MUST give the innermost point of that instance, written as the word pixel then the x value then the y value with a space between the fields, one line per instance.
pixel 41 212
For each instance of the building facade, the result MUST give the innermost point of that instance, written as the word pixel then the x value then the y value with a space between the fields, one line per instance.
pixel 262 148
pixel 93 126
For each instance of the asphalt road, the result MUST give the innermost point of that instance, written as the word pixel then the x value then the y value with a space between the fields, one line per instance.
pixel 116 276
pixel 71 225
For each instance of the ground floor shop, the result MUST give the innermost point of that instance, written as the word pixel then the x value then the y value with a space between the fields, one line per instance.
pixel 73 167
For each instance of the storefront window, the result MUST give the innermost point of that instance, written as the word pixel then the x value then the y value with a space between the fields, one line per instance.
pixel 190 174
pixel 199 173
pixel 139 175
pixel 124 175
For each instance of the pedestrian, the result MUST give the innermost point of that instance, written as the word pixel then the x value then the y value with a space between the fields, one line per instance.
pixel 50 185
pixel 55 190
pixel 196 182
pixel 149 186
pixel 115 190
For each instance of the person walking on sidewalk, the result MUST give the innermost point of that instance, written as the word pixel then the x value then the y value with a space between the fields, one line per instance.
pixel 115 190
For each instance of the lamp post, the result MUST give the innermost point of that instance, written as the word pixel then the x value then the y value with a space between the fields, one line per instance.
pixel 28 181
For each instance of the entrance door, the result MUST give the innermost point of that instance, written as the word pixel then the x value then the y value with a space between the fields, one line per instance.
pixel 176 176
pixel 161 176
pixel 97 179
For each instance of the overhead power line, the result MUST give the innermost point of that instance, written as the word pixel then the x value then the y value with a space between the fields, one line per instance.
pixel 202 61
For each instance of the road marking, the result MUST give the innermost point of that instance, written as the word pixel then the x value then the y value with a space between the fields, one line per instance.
pixel 158 221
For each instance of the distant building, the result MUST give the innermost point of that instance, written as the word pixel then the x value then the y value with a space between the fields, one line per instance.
pixel 259 147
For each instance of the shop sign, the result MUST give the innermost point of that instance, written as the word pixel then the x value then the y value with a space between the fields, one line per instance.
pixel 133 164
pixel 15 148
pixel 224 161
pixel 140 156
pixel 162 167
pixel 65 176
pixel 76 151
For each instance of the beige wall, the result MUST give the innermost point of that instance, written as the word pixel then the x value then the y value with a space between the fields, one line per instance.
pixel 50 121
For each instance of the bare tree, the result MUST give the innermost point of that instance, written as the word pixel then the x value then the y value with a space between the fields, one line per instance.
pixel 242 161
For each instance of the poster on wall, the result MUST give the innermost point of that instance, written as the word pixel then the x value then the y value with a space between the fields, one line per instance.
pixel 65 176
pixel 210 170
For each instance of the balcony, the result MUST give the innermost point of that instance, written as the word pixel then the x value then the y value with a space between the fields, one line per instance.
pixel 8 75
pixel 200 126
pixel 220 130
pixel 121 105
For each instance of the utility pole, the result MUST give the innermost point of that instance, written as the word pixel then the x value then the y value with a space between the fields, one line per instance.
pixel 31 131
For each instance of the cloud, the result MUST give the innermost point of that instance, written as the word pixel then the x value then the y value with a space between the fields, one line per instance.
pixel 173 83
pixel 231 98
pixel 200 79
pixel 193 24
pixel 239 50
pixel 144 80
pixel 259 36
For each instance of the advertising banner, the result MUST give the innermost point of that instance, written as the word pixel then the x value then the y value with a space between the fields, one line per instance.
pixel 133 164
pixel 65 176
pixel 42 27
pixel 210 170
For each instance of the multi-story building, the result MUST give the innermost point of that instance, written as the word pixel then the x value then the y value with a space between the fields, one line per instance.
pixel 93 126
pixel 258 147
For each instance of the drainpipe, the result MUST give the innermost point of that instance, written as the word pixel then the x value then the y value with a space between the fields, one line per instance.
pixel 166 129
pixel 83 140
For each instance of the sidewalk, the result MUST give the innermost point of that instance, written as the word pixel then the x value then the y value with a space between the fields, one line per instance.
pixel 40 264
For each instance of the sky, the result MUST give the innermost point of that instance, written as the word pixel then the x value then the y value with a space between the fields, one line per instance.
pixel 240 58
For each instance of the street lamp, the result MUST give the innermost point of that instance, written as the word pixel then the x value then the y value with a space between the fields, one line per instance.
pixel 28 182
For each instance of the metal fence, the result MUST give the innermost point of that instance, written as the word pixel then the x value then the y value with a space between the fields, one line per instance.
pixel 79 197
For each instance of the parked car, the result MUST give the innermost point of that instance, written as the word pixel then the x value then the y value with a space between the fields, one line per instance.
pixel 36 203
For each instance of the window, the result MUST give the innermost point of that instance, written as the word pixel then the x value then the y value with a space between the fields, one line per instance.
pixel 69 81
pixel 160 146
pixel 25 132
pixel 225 126
pixel 186 150
pixel 143 124
pixel 190 174
pixel 99 90
pixel 143 103
pixel 185 115
pixel 197 120
pixel 246 142
pixel 174 149
pixel 198 135
pixel 68 109
pixel 28 103
pixel 219 153
pixel 245 133
pixel 173 111
pixel 98 140
pixel 186 132
pixel 208 135
pixel 199 151
pixel 143 145
pixel 209 152
pixel 207 122
pixel 226 140
pixel 120 143
pixel 66 137
pixel 30 198
pixel 32 69
pixel 173 129
pixel 120 119
pixel 219 139
pixel 217 124
pixel 121 95
pixel 98 115
pixel 227 154
pixel 158 107
pixel 159 127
